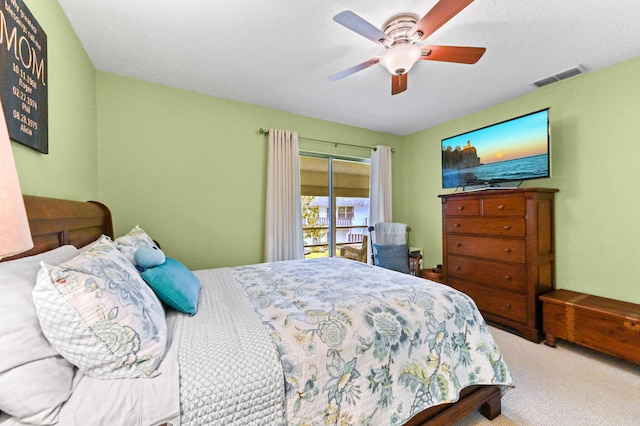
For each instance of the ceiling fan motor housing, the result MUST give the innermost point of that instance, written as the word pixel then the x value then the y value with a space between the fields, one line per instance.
pixel 398 28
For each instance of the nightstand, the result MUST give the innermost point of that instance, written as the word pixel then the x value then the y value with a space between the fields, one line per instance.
pixel 432 276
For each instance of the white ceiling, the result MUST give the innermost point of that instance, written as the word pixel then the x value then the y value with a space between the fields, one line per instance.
pixel 278 54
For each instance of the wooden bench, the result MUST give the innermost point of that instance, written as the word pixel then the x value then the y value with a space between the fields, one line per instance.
pixel 606 325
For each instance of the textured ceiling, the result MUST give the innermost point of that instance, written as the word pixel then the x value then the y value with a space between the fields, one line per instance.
pixel 278 54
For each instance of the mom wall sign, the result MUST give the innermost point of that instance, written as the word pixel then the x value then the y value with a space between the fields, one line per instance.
pixel 23 75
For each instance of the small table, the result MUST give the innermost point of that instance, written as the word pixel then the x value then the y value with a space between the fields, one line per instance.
pixel 429 274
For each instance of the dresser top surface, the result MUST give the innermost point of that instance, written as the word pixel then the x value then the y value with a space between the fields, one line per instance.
pixel 494 191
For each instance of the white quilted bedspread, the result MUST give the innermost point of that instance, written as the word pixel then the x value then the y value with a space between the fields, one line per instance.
pixel 225 343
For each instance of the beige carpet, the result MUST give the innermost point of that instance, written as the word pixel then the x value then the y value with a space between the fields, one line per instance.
pixel 566 385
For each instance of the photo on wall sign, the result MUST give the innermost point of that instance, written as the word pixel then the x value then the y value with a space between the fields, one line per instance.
pixel 23 76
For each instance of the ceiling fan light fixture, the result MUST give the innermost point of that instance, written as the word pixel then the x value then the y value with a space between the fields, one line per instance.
pixel 399 59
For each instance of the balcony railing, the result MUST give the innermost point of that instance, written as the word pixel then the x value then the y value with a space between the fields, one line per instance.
pixel 351 236
pixel 339 223
pixel 355 237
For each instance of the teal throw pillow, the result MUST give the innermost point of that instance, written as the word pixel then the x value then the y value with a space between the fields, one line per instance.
pixel 394 257
pixel 175 285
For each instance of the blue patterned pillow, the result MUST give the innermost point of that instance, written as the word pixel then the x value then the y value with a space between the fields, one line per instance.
pixel 98 313
pixel 175 285
pixel 130 243
pixel 395 257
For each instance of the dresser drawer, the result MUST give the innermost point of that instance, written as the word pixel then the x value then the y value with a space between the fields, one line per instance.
pixel 504 249
pixel 463 207
pixel 499 275
pixel 507 227
pixel 503 207
pixel 495 302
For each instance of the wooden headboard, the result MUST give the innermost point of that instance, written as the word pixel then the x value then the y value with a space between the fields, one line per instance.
pixel 56 222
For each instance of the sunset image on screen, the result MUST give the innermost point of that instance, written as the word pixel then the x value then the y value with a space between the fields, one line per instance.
pixel 512 140
pixel 513 150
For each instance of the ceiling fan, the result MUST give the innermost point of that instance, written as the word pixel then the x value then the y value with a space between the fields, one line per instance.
pixel 400 35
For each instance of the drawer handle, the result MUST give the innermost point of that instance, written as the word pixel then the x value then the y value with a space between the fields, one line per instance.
pixel 458 245
pixel 458 268
pixel 456 225
pixel 460 207
pixel 501 207
pixel 508 306
pixel 507 250
pixel 507 277
pixel 507 227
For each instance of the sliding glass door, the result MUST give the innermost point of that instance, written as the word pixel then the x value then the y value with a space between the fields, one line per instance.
pixel 335 203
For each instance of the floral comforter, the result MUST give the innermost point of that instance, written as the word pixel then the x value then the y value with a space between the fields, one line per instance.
pixel 368 346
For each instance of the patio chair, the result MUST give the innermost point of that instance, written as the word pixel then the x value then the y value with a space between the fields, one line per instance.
pixel 353 252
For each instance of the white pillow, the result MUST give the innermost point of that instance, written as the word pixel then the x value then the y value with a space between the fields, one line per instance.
pixel 34 379
pixel 128 244
pixel 35 392
pixel 100 315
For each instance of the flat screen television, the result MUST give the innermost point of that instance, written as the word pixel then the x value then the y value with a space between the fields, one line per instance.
pixel 499 155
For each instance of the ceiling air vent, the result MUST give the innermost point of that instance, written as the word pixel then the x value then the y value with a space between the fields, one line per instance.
pixel 578 69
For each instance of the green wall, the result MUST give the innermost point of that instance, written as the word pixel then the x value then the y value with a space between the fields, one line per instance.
pixel 595 126
pixel 70 170
pixel 190 169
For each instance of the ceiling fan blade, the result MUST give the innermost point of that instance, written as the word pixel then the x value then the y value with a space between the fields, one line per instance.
pixel 438 16
pixel 459 54
pixel 398 83
pixel 355 23
pixel 354 69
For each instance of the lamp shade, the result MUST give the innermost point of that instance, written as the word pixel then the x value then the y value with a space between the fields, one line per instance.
pixel 15 235
pixel 399 59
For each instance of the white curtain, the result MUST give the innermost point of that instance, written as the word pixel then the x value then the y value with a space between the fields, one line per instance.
pixel 380 188
pixel 283 219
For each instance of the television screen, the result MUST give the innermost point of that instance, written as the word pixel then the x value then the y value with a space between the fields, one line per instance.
pixel 500 154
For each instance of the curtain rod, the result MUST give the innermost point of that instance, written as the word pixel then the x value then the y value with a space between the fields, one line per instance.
pixel 266 132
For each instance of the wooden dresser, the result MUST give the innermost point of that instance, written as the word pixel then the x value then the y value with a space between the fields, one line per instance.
pixel 498 247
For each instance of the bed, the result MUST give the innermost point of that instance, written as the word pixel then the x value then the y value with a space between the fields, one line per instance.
pixel 300 342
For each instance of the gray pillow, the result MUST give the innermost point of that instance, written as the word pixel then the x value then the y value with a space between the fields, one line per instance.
pixel 34 379
pixel 394 257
